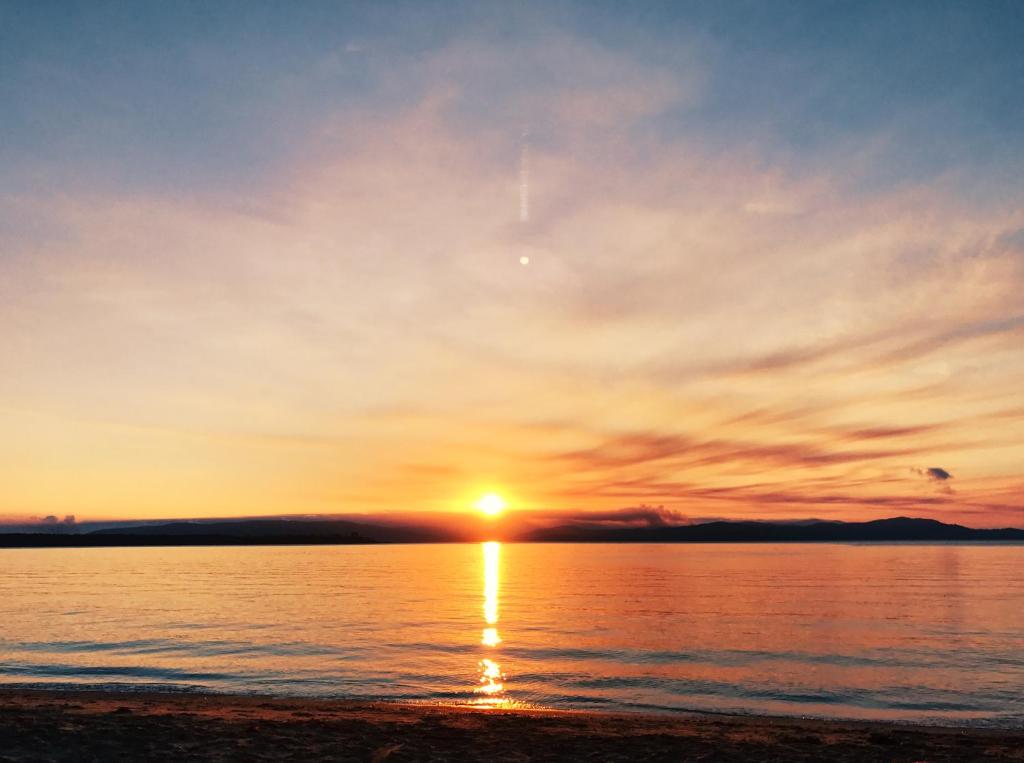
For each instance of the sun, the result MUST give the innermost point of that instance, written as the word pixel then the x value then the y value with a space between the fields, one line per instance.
pixel 491 504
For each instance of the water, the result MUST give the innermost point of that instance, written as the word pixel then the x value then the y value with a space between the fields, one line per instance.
pixel 901 632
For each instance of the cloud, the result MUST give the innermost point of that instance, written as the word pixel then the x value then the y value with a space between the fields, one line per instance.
pixel 936 473
pixel 939 476
pixel 635 516
pixel 48 524
pixel 52 520
pixel 646 448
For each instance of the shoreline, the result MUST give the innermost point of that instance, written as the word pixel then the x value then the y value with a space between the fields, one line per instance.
pixel 17 544
pixel 63 724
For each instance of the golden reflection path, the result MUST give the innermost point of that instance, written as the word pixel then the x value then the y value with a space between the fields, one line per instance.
pixel 491 683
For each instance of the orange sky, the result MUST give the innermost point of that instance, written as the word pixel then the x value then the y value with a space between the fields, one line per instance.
pixel 715 327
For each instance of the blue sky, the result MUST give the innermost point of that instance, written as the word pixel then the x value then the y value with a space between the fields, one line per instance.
pixel 206 94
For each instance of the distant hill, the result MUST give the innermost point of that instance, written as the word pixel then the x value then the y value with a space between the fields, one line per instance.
pixel 259 532
pixel 114 539
pixel 896 529
pixel 247 532
pixel 287 528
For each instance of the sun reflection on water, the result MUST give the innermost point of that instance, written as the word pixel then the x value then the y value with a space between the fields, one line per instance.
pixel 490 637
pixel 491 678
pixel 491 681
pixel 492 557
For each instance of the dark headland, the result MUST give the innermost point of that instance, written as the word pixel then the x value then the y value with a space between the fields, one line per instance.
pixel 339 532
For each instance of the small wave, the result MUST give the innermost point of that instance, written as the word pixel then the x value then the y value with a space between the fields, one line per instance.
pixel 132 671
pixel 188 648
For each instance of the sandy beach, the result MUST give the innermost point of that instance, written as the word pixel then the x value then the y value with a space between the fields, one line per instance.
pixel 37 725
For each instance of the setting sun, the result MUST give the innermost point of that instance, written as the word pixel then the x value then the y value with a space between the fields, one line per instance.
pixel 491 504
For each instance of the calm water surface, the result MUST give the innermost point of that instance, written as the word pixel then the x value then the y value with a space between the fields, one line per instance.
pixel 912 632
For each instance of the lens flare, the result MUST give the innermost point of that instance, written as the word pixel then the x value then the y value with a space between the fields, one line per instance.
pixel 524 179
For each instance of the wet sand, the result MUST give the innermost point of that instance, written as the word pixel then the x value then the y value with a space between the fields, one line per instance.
pixel 99 726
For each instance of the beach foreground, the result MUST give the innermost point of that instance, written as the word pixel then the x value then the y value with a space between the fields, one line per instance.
pixel 37 725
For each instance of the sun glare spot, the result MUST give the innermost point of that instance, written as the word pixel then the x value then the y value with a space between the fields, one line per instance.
pixel 491 504
pixel 491 677
pixel 490 637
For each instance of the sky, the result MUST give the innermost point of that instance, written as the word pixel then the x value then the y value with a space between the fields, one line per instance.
pixel 264 258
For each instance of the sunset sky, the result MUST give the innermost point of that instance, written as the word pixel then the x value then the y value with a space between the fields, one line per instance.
pixel 265 259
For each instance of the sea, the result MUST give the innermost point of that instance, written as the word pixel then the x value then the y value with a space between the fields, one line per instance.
pixel 928 633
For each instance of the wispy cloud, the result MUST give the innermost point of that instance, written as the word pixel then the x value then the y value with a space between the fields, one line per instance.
pixel 707 317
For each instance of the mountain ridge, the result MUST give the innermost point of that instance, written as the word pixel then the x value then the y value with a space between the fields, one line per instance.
pixel 891 529
pixel 251 532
